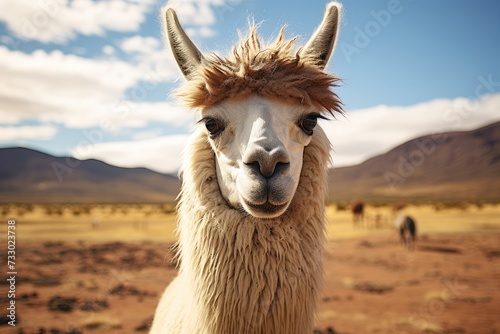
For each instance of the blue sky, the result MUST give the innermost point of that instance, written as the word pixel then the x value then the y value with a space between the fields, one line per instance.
pixel 92 79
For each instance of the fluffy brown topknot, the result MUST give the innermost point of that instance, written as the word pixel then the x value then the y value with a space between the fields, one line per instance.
pixel 274 72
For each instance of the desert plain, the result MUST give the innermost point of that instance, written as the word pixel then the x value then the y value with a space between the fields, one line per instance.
pixel 100 268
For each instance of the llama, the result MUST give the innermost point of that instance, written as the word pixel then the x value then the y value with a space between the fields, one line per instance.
pixel 358 212
pixel 407 228
pixel 251 217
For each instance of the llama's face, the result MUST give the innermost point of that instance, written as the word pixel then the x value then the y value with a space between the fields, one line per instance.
pixel 258 144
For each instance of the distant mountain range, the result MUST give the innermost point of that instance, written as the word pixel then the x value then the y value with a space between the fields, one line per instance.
pixel 445 166
pixel 31 176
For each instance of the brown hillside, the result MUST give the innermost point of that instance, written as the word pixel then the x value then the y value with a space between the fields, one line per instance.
pixel 30 176
pixel 446 166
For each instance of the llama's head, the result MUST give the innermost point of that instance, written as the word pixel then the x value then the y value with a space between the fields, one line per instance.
pixel 260 108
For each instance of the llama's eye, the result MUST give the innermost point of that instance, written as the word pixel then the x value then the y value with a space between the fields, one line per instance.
pixel 214 126
pixel 308 123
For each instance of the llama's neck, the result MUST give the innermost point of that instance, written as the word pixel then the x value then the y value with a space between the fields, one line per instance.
pixel 249 275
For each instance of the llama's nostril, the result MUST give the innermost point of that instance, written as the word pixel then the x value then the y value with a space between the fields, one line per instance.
pixel 254 167
pixel 281 168
pixel 269 170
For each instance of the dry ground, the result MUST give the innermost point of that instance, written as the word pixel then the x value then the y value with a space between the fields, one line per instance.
pixel 78 277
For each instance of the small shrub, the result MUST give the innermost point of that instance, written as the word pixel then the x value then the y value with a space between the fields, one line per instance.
pixel 341 206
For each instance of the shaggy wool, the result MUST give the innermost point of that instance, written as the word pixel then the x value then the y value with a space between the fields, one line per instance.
pixel 240 274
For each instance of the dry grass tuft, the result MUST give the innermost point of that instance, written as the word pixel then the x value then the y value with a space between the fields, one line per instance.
pixel 100 322
pixel 437 296
pixel 428 327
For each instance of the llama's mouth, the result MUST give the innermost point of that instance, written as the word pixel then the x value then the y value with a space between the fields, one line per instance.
pixel 266 210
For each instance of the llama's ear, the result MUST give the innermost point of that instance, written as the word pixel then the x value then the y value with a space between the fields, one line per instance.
pixel 322 42
pixel 186 54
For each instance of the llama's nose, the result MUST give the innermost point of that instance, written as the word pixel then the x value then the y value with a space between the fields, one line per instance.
pixel 267 161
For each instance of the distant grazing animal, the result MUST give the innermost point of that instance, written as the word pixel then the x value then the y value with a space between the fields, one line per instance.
pixel 251 211
pixel 358 212
pixel 407 228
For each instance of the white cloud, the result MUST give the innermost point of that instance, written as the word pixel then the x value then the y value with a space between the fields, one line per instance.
pixel 162 112
pixel 140 44
pixel 62 20
pixel 200 32
pixel 162 154
pixel 59 21
pixel 148 134
pixel 79 92
pixel 198 16
pixel 35 132
pixel 368 132
pixel 197 13
pixel 108 50
pixel 150 55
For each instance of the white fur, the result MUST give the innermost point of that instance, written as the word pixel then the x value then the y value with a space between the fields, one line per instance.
pixel 238 273
pixel 257 129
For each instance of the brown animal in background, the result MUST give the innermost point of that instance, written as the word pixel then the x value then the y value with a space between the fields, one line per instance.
pixel 407 228
pixel 358 212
